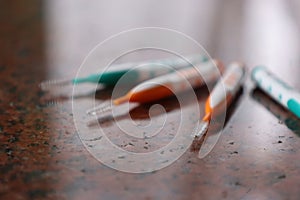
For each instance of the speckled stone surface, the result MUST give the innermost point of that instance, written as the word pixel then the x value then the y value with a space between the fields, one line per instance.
pixel 42 157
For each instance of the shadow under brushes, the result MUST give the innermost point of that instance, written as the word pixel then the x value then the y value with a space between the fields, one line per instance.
pixel 217 125
pixel 282 114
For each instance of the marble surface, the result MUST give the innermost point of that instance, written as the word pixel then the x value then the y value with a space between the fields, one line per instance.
pixel 42 156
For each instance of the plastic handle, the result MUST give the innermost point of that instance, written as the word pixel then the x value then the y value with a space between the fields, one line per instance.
pixel 140 71
pixel 277 89
pixel 225 89
pixel 185 78
pixel 157 68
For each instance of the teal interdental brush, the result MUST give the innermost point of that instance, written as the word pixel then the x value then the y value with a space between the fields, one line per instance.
pixel 135 72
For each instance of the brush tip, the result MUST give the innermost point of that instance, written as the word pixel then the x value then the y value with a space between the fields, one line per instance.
pixel 46 85
pixel 203 128
pixel 100 109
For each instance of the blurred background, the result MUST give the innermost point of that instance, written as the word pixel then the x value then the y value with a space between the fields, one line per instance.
pixel 49 39
pixel 252 31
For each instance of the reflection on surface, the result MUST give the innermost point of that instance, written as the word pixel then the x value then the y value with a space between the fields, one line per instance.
pixel 286 117
pixel 140 112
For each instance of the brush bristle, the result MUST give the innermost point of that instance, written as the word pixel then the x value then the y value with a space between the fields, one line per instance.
pixel 46 85
pixel 102 108
pixel 203 129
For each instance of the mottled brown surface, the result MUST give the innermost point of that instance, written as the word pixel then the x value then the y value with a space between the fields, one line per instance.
pixel 41 156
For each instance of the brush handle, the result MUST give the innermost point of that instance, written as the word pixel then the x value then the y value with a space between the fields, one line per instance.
pixel 277 89
pixel 225 90
pixel 139 72
pixel 174 83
